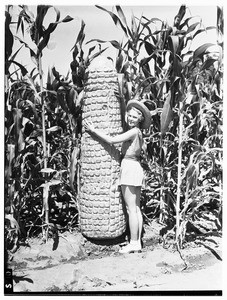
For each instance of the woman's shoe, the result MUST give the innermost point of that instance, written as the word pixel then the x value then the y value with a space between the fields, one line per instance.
pixel 131 248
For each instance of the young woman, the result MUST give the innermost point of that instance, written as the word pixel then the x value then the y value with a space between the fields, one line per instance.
pixel 131 175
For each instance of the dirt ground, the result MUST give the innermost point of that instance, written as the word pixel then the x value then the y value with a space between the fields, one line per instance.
pixel 77 265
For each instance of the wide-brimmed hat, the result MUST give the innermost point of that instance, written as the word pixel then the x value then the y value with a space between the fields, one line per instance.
pixel 145 124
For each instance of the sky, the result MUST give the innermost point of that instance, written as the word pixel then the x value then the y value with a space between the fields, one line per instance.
pixel 99 25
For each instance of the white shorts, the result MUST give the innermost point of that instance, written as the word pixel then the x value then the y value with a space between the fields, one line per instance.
pixel 131 173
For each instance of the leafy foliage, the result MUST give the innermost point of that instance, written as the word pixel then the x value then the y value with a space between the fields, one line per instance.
pixel 182 150
pixel 38 138
pixel 183 90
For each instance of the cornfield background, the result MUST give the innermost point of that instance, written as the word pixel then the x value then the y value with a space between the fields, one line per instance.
pixel 182 156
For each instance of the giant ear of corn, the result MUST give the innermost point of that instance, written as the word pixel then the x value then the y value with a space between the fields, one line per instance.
pixel 101 210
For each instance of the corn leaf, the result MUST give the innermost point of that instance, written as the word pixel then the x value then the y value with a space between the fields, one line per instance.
pixel 54 182
pixel 178 18
pixel 18 128
pixel 149 47
pixel 24 71
pixel 97 54
pixel 29 102
pixel 123 18
pixel 67 19
pixel 209 62
pixel 71 98
pixel 174 43
pixel 46 188
pixel 53 128
pixel 166 115
pixel 192 27
pixel 119 62
pixel 129 89
pixel 202 30
pixel 13 222
pixel 56 73
pixel 52 26
pixel 11 155
pixel 80 34
pixel 144 61
pixel 61 98
pixel 20 22
pixel 135 29
pixel 90 50
pixel 152 20
pixel 114 43
pixel 39 29
pixel 47 170
pixel 120 79
pixel 8 36
pixel 73 166
pixel 32 53
pixel 220 19
pixel 200 51
pixel 115 18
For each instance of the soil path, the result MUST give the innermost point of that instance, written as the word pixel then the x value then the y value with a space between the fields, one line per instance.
pixel 78 265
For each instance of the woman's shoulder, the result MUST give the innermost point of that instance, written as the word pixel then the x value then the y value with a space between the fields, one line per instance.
pixel 136 132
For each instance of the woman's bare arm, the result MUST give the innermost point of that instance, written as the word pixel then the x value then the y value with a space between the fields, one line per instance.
pixel 128 135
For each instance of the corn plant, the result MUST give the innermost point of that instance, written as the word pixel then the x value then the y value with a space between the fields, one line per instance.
pixel 13 137
pixel 26 102
pixel 40 36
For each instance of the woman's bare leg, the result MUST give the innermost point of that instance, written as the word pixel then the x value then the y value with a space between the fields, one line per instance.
pixel 131 196
pixel 139 214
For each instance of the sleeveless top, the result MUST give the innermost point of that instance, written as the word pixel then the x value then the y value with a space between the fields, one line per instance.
pixel 131 149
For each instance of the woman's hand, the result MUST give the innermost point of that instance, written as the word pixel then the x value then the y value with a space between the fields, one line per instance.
pixel 89 126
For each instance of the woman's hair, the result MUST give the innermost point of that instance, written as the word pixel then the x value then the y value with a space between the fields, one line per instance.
pixel 141 117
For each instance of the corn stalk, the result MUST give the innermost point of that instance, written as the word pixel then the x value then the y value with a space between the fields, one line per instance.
pixel 179 177
pixel 45 155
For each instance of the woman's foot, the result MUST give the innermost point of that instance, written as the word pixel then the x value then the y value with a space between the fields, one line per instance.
pixel 131 248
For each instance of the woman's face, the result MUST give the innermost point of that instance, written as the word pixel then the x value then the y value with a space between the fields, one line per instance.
pixel 133 118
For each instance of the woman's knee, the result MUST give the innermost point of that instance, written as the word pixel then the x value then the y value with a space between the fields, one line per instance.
pixel 138 210
pixel 131 195
pixel 132 209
